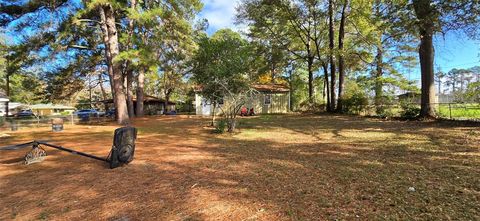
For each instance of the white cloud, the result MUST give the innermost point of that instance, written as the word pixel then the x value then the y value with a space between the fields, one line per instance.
pixel 219 13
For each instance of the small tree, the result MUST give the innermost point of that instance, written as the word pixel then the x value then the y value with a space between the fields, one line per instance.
pixel 221 66
pixel 234 101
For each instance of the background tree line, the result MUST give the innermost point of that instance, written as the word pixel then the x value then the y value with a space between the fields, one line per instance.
pixel 333 52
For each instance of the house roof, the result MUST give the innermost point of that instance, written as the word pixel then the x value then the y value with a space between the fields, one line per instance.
pixel 409 94
pixel 278 88
pixel 281 88
pixel 50 106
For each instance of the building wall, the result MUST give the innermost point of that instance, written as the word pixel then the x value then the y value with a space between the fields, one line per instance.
pixel 279 103
pixel 2 107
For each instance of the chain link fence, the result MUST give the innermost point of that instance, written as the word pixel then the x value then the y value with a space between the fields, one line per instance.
pixel 453 111
pixel 16 123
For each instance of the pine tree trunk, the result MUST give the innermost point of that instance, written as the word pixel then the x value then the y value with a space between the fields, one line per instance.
pixel 102 89
pixel 378 77
pixel 120 99
pixel 140 95
pixel 7 93
pixel 341 58
pixel 103 26
pixel 426 53
pixel 130 105
pixel 310 79
pixel 167 99
pixel 213 113
pixel 290 84
pixel 325 72
pixel 426 14
pixel 331 36
pixel 130 78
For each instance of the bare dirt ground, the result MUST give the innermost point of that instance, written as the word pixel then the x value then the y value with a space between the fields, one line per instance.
pixel 278 167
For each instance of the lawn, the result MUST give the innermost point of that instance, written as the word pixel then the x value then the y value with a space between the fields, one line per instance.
pixel 459 111
pixel 277 167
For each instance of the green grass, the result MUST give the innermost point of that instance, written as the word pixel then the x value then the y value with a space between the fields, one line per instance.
pixel 459 111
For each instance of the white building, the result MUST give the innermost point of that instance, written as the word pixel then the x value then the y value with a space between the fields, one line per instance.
pixel 3 103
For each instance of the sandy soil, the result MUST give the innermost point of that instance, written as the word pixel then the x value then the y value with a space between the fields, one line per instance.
pixel 288 167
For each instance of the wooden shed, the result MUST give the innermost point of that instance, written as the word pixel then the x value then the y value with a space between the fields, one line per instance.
pixel 270 99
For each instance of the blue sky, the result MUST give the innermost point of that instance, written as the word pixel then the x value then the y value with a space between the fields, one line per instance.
pixel 451 51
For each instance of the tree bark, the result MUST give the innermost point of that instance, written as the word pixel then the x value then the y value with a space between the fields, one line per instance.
pixel 310 78
pixel 325 72
pixel 130 105
pixel 140 95
pixel 378 75
pixel 341 58
pixel 331 36
pixel 102 89
pixel 426 53
pixel 7 93
pixel 290 84
pixel 426 15
pixel 129 71
pixel 103 26
pixel 214 104
pixel 120 99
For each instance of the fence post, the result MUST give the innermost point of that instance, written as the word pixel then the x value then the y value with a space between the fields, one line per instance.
pixel 450 110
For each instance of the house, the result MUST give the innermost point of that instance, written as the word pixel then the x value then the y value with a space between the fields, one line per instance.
pixel 3 103
pixel 151 105
pixel 410 97
pixel 416 98
pixel 50 109
pixel 271 98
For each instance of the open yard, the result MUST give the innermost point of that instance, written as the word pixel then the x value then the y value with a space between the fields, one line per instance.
pixel 277 167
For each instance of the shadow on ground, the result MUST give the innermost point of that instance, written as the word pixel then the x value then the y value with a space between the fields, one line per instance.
pixel 281 167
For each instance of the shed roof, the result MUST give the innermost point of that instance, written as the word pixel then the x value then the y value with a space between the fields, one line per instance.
pixel 280 88
pixel 272 87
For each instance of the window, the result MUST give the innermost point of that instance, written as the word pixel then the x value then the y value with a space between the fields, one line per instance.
pixel 267 99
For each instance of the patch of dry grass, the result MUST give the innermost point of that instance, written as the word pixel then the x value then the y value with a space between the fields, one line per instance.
pixel 278 167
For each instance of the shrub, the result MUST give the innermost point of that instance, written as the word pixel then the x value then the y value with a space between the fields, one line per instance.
pixel 409 110
pixel 2 121
pixel 306 106
pixel 355 103
pixel 384 112
pixel 220 127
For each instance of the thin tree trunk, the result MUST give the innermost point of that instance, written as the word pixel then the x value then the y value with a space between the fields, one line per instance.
pixel 102 89
pixel 290 84
pixel 310 78
pixel 331 36
pixel 140 95
pixel 325 72
pixel 341 58
pixel 7 93
pixel 214 104
pixel 378 76
pixel 167 100
pixel 130 105
pixel 121 104
pixel 129 71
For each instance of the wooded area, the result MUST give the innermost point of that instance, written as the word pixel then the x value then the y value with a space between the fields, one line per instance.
pixel 333 54
pixel 336 110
